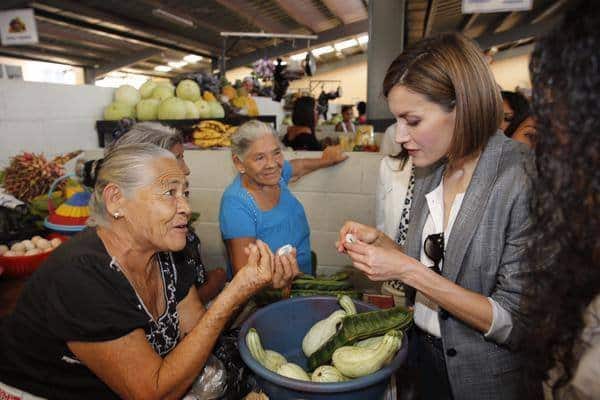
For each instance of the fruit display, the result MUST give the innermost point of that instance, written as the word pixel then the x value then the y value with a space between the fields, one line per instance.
pixel 349 347
pixel 163 101
pixel 29 175
pixel 35 245
pixel 212 133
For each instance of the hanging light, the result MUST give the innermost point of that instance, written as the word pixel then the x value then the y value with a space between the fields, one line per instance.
pixel 192 58
pixel 345 44
pixel 323 50
pixel 298 57
pixel 177 64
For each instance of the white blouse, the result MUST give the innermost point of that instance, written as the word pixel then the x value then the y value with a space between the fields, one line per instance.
pixel 426 311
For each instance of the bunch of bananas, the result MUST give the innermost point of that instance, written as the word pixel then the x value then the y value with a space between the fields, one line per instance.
pixel 211 133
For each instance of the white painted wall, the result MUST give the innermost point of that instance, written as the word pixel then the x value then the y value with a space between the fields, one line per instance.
pixel 48 118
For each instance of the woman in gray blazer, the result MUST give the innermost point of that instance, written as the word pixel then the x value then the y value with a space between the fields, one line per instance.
pixel 469 224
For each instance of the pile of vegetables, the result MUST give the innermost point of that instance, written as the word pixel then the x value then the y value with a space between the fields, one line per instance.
pixel 338 284
pixel 163 101
pixel 343 346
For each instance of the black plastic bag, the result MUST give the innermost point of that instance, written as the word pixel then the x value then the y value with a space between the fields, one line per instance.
pixel 240 379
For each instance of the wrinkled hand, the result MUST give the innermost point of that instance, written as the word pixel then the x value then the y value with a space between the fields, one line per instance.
pixel 286 269
pixel 378 263
pixel 333 155
pixel 258 271
pixel 364 233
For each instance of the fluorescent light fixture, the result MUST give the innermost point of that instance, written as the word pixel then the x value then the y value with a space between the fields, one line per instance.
pixel 192 58
pixel 363 39
pixel 323 50
pixel 298 57
pixel 177 64
pixel 162 68
pixel 160 13
pixel 345 44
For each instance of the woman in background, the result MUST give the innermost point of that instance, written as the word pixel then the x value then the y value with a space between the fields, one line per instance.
pixel 301 135
pixel 258 203
pixel 564 300
pixel 346 125
pixel 517 122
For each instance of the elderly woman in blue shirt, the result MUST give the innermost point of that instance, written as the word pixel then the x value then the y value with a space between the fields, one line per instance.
pixel 258 203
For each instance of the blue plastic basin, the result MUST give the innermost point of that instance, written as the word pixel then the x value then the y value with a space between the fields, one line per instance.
pixel 282 327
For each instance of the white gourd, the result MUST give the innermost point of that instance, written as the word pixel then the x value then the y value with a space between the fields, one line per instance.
pixel 323 330
pixel 327 373
pixel 354 362
pixel 293 371
pixel 269 359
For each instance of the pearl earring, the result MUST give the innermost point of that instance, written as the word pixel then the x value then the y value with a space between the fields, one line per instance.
pixel 116 215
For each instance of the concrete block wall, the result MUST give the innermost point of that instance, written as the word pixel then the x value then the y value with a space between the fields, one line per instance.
pixel 49 118
pixel 330 197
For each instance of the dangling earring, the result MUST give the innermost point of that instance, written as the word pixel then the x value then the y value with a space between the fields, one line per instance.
pixel 116 215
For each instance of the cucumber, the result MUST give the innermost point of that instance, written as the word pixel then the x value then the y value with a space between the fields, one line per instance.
pixel 360 326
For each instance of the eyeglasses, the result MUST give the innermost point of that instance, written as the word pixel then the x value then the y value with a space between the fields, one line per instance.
pixel 434 249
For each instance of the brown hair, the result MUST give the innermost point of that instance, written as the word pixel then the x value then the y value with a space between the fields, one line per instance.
pixel 451 71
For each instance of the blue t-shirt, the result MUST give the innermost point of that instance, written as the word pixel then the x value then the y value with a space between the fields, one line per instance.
pixel 285 223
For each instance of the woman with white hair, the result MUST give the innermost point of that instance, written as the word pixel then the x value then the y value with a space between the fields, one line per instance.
pixel 110 314
pixel 258 203
pixel 209 282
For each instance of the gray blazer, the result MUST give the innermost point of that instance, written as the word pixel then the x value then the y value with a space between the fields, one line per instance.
pixel 485 253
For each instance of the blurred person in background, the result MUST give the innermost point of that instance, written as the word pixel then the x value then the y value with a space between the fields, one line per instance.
pixel 361 107
pixel 301 135
pixel 347 123
pixel 518 122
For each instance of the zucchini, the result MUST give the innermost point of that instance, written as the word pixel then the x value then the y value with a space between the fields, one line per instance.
pixel 354 361
pixel 360 326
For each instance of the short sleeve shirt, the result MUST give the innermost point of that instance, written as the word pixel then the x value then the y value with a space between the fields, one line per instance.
pixel 80 294
pixel 285 223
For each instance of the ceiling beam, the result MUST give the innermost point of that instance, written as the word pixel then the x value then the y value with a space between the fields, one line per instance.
pixel 348 11
pixel 496 23
pixel 306 14
pixel 468 21
pixel 44 56
pixel 106 32
pixel 125 62
pixel 245 9
pixel 341 31
pixel 78 14
pixel 548 11
pixel 430 17
pixel 180 12
pixel 521 32
pixel 63 32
